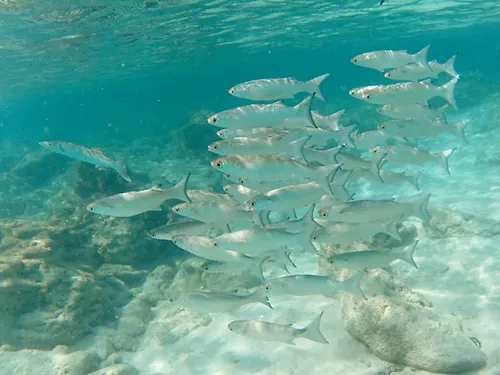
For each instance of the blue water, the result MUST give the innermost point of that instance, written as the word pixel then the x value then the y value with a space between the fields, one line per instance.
pixel 138 79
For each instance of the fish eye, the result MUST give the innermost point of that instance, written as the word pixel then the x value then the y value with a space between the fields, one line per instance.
pixel 323 214
pixel 212 120
pixel 252 204
pixel 176 209
pixel 91 207
pixel 314 237
pixel 231 91
pixel 215 147
pixel 352 92
pixel 226 188
pixel 355 60
pixel 374 150
pixel 171 299
pixel 174 241
pixel 215 244
pixel 368 96
pixel 218 164
pixel 153 235
pixel 220 133
pixel 382 126
pixel 266 287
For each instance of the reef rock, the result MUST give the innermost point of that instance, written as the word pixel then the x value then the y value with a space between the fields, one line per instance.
pixel 121 369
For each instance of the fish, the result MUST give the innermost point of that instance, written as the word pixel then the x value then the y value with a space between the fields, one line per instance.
pixel 309 285
pixel 411 72
pixel 386 59
pixel 416 72
pixel 337 232
pixel 202 247
pixel 294 196
pixel 323 157
pixel 273 144
pixel 240 192
pixel 217 212
pixel 274 168
pixel 256 240
pixel 369 259
pixel 423 128
pixel 414 111
pixel 267 331
pixel 248 132
pixel 406 93
pixel 191 227
pixel 354 162
pixel 368 210
pixel 413 155
pixel 137 202
pixel 448 67
pixel 205 195
pixel 87 155
pixel 278 88
pixel 211 302
pixel 274 115
pixel 370 139
pixel 330 122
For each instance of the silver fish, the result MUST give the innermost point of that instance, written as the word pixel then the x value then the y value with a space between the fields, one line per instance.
pixel 413 155
pixel 369 139
pixel 274 115
pixel 190 227
pixel 406 93
pixel 330 122
pixel 422 128
pixel 448 67
pixel 210 302
pixel 88 155
pixel 137 202
pixel 363 211
pixel 386 59
pixel 336 232
pixel 277 88
pixel 266 331
pixel 309 285
pixel 360 260
pixel 412 72
pixel 412 111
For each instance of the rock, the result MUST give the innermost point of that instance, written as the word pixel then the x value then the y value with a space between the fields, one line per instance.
pixel 125 273
pixel 122 369
pixel 399 326
pixel 77 363
pixel 157 284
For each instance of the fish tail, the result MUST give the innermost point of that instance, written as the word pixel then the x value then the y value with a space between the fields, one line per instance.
pixel 339 189
pixel 421 57
pixel 442 158
pixel 260 296
pixel 298 149
pixel 353 285
pixel 315 85
pixel 448 91
pixel 460 126
pixel 420 206
pixel 324 175
pixel 179 191
pixel 414 180
pixel 305 106
pixel 283 257
pixel 258 267
pixel 375 166
pixel 449 66
pixel 391 228
pixel 312 331
pixel 407 254
pixel 121 169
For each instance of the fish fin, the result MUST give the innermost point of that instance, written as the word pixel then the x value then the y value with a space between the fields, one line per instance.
pixel 264 215
pixel 421 56
pixel 298 149
pixel 448 91
pixel 442 158
pixel 339 189
pixel 305 106
pixel 460 126
pixel 260 296
pixel 156 209
pixel 443 108
pixel 306 237
pixel 449 66
pixel 414 180
pixel 121 169
pixel 427 81
pixel 375 166
pixel 315 84
pixel 345 136
pixel 179 191
pixel 324 176
pixel 353 287
pixel 407 254
pixel 312 331
pixel 419 206
pixel 257 218
pixel 391 228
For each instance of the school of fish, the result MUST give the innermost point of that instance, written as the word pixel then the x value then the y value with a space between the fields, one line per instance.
pixel 289 168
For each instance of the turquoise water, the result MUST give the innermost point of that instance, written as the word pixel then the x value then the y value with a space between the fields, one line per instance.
pixel 138 79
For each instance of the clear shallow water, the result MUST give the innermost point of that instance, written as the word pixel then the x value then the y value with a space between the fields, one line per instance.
pixel 139 79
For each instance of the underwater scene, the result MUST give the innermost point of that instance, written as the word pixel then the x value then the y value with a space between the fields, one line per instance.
pixel 249 187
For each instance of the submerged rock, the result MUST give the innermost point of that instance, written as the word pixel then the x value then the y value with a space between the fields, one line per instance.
pixel 121 369
pixel 400 326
